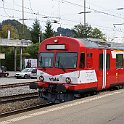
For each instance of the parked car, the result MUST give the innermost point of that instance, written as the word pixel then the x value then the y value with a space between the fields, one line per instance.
pixel 27 73
pixel 3 72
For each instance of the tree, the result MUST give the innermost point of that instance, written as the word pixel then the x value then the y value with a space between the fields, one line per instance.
pixel 96 33
pixel 86 31
pixel 48 31
pixel 33 50
pixel 64 32
pixel 35 32
pixel 82 31
pixel 23 31
pixel 13 32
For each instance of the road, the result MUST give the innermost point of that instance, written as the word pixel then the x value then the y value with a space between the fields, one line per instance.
pixel 11 79
pixel 104 108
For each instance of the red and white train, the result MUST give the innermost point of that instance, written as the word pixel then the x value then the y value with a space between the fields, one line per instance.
pixel 69 66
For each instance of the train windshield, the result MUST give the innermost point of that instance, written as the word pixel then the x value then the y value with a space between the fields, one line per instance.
pixel 46 60
pixel 66 60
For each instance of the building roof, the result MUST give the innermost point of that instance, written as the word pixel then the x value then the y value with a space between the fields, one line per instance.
pixel 15 43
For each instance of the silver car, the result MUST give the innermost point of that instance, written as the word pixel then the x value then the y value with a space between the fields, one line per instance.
pixel 27 73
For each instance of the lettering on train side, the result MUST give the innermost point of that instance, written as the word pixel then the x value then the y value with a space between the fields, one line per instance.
pixel 54 79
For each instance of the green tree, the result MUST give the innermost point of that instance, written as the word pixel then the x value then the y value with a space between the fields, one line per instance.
pixel 23 31
pixel 35 32
pixel 33 50
pixel 86 31
pixel 82 31
pixel 49 32
pixel 96 33
pixel 13 32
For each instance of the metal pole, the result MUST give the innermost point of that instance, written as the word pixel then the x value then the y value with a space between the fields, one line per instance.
pixel 84 12
pixel 22 34
pixel 39 38
pixel 23 15
pixel 20 58
pixel 15 58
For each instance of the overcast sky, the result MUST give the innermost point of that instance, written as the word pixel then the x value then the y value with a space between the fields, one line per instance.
pixel 103 13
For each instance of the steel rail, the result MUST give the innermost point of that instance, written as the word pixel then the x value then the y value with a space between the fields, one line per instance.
pixel 4 114
pixel 18 97
pixel 14 85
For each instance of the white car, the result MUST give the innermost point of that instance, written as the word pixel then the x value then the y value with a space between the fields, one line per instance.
pixel 27 73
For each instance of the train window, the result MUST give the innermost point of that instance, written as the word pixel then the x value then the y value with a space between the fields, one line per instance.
pixel 108 61
pixel 82 60
pixel 101 61
pixel 119 60
pixel 66 60
pixel 46 59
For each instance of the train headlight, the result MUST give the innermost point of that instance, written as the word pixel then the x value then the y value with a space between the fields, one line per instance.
pixel 41 78
pixel 68 80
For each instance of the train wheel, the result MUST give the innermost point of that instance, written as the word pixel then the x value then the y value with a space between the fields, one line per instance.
pixel 93 93
pixel 6 75
pixel 120 86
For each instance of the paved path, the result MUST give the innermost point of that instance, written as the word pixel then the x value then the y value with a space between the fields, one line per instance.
pixel 11 79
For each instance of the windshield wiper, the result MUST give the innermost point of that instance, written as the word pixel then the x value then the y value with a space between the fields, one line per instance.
pixel 59 63
pixel 41 65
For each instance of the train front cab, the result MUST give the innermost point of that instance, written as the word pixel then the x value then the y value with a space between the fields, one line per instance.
pixel 66 69
pixel 59 70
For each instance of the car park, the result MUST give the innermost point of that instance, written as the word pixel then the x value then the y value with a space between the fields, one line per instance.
pixel 27 73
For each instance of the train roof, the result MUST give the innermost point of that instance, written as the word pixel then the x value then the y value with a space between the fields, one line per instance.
pixel 99 43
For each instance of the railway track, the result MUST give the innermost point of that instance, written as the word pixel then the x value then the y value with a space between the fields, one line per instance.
pixel 18 97
pixel 29 108
pixel 14 85
pixel 21 103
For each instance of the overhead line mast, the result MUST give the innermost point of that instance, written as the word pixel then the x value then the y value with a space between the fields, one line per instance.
pixel 23 15
pixel 84 12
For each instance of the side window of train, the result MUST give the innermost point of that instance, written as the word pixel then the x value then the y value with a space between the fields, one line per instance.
pixel 108 61
pixel 82 60
pixel 119 60
pixel 89 60
pixel 101 61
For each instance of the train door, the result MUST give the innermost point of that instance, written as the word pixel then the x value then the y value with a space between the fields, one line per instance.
pixel 104 69
pixel 119 68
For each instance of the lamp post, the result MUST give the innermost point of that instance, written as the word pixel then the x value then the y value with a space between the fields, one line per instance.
pixel 39 37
